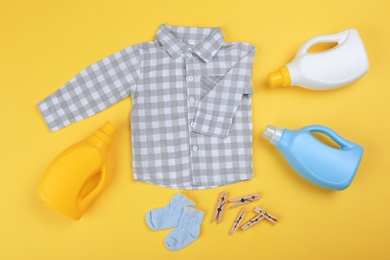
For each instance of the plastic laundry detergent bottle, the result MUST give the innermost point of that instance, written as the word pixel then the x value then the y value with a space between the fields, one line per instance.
pixel 329 69
pixel 317 162
pixel 78 175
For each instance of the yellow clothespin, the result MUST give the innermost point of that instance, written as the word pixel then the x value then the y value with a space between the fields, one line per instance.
pixel 245 199
pixel 238 220
pixel 220 207
pixel 266 214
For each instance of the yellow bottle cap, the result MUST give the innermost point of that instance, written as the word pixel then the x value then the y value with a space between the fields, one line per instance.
pixel 275 79
pixel 109 129
pixel 106 133
pixel 280 78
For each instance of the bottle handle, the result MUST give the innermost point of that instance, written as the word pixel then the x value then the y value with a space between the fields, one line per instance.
pixel 96 191
pixel 337 37
pixel 344 143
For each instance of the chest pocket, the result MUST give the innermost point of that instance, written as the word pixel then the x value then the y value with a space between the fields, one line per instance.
pixel 208 82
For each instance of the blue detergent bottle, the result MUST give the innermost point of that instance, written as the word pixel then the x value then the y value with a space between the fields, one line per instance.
pixel 321 164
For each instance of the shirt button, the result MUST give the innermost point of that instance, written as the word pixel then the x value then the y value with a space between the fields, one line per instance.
pixel 192 124
pixel 191 100
pixel 189 54
pixel 194 148
pixel 190 78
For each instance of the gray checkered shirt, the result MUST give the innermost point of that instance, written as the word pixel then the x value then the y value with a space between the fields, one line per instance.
pixel 191 116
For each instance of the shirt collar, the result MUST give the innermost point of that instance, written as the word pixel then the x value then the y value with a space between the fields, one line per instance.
pixel 206 49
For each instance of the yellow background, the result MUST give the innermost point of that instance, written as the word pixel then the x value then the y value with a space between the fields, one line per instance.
pixel 45 43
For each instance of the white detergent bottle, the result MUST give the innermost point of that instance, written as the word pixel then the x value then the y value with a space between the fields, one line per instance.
pixel 329 69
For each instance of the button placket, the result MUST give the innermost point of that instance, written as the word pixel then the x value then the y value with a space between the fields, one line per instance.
pixel 191 93
pixel 191 104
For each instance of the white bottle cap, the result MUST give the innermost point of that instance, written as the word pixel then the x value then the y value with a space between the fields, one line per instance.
pixel 273 134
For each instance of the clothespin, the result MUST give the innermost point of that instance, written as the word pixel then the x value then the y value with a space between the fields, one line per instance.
pixel 238 220
pixel 245 199
pixel 266 214
pixel 253 221
pixel 220 207
pixel 262 214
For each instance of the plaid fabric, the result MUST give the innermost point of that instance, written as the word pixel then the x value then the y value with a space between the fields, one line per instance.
pixel 191 117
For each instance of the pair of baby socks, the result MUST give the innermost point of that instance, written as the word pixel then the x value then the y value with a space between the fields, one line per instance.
pixel 181 215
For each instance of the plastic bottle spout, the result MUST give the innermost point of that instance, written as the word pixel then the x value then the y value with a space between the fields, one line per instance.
pixel 280 78
pixel 273 134
pixel 106 133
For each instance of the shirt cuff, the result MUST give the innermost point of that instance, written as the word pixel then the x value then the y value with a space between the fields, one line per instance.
pixel 53 113
pixel 211 125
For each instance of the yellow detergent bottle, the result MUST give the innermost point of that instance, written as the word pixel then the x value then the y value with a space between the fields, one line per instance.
pixel 78 175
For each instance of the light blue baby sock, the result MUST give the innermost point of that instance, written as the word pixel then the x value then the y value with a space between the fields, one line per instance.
pixel 168 216
pixel 187 231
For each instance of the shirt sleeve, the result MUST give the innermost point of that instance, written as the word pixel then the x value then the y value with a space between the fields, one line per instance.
pixel 216 110
pixel 94 89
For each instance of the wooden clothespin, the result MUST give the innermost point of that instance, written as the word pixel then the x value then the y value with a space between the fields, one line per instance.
pixel 252 221
pixel 238 220
pixel 245 199
pixel 266 214
pixel 262 214
pixel 220 207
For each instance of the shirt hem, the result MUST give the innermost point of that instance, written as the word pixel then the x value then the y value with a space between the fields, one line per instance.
pixel 200 187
